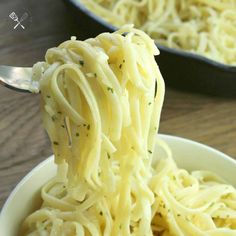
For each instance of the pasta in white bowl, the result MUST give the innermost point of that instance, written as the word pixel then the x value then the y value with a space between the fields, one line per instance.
pixel 188 154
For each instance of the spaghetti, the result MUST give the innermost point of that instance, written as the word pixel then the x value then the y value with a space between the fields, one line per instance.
pixel 102 113
pixel 205 27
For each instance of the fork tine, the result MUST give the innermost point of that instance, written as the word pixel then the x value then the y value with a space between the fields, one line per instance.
pixel 18 78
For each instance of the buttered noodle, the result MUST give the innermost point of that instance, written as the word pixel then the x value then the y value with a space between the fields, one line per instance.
pixel 205 27
pixel 102 112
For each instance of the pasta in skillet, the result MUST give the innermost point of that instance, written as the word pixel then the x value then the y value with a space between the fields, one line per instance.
pixel 205 27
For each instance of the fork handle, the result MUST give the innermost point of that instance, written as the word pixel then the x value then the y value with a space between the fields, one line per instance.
pixel 19 24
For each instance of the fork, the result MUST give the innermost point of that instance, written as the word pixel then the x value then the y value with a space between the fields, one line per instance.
pixel 14 17
pixel 18 78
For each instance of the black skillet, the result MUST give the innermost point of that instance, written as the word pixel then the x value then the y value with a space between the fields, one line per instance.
pixel 180 69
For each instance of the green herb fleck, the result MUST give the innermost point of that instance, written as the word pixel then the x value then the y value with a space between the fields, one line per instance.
pixel 108 156
pixel 150 151
pixel 131 229
pixel 63 126
pixel 48 96
pixel 149 103
pixel 120 66
pixel 212 204
pixel 155 88
pixel 100 213
pixel 77 134
pixel 95 75
pixel 88 127
pixel 81 62
pixel 178 215
pixel 110 89
pixel 55 143
pixel 59 112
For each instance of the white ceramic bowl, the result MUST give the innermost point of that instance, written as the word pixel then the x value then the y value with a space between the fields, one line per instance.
pixel 188 154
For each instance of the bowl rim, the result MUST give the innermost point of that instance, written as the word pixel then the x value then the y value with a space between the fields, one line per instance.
pixel 179 52
pixel 22 181
pixel 51 158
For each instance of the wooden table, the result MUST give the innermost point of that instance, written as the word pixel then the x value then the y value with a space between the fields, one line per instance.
pixel 23 141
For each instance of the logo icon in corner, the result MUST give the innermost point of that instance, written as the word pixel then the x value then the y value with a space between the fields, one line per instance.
pixel 15 18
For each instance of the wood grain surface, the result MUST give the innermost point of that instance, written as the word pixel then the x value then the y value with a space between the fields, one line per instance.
pixel 23 141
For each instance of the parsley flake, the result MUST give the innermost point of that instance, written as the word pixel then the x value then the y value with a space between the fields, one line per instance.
pixel 110 89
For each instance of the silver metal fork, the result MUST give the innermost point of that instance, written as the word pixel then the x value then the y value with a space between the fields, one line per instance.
pixel 18 78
